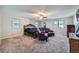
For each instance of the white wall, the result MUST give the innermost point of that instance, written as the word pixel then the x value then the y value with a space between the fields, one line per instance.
pixel 63 32
pixel 0 28
pixel 1 23
pixel 67 21
pixel 75 19
pixel 7 30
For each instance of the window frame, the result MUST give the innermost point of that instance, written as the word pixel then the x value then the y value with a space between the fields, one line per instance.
pixel 15 23
pixel 58 25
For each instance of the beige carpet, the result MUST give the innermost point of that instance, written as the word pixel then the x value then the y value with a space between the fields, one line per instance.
pixel 26 44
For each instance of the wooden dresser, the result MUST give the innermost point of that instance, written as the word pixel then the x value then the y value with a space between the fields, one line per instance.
pixel 70 29
pixel 74 45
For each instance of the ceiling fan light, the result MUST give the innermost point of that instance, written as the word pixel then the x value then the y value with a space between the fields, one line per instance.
pixel 44 17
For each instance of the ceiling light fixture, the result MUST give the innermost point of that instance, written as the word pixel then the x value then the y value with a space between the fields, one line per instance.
pixel 40 15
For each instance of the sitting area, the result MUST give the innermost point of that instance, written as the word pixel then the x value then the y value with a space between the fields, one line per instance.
pixel 41 33
pixel 43 37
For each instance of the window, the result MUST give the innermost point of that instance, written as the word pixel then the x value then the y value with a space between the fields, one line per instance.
pixel 56 24
pixel 59 24
pixel 15 23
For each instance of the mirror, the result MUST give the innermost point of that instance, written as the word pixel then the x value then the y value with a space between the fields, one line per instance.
pixel 77 26
pixel 77 30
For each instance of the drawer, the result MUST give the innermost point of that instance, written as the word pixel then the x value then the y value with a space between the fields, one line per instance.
pixel 74 45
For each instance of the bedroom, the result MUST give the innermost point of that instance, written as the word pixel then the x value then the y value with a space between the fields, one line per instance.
pixel 54 17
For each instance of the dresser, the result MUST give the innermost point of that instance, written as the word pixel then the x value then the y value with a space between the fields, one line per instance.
pixel 70 29
pixel 74 45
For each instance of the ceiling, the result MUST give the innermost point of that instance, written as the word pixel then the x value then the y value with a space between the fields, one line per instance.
pixel 50 11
